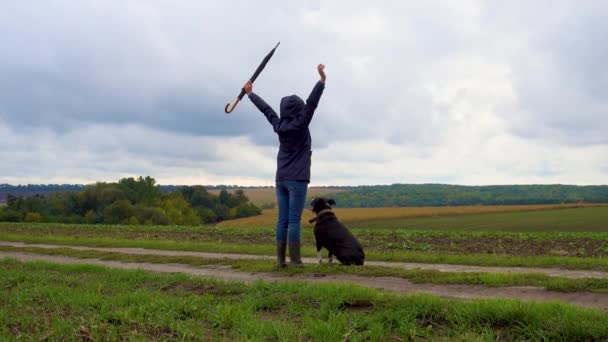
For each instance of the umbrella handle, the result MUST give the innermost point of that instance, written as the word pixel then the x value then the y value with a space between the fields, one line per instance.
pixel 228 111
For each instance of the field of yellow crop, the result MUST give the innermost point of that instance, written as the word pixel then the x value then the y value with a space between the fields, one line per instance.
pixel 360 215
pixel 264 196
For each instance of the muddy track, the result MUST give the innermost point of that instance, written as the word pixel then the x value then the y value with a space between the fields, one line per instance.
pixel 554 272
pixel 587 299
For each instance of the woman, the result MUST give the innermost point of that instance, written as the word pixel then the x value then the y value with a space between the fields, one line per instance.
pixel 293 163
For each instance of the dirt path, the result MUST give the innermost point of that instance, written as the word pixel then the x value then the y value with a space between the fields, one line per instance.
pixel 554 272
pixel 587 299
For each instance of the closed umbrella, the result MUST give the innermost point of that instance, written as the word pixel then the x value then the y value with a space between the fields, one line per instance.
pixel 252 79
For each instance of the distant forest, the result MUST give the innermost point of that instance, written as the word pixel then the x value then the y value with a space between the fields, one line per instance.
pixel 396 195
pixel 35 189
pixel 129 201
pixel 422 195
pixel 45 189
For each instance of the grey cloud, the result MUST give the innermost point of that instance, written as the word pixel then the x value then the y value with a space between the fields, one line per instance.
pixel 108 152
pixel 173 68
pixel 120 62
pixel 558 69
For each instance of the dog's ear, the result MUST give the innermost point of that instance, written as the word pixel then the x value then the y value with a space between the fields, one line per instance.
pixel 312 202
pixel 331 201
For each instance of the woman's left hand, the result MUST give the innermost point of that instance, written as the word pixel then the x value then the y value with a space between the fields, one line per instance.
pixel 321 70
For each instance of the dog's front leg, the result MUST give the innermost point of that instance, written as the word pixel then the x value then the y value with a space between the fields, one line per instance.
pixel 330 258
pixel 319 248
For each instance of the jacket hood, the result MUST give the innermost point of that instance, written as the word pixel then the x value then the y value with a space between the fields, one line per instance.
pixel 291 105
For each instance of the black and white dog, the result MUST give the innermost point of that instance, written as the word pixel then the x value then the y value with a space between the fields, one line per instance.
pixel 333 235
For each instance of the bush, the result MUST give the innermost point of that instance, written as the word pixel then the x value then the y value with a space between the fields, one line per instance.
pixel 207 215
pixel 246 210
pixel 179 211
pixel 133 221
pixel 9 215
pixel 32 217
pixel 150 215
pixel 131 200
pixel 76 219
pixel 89 217
pixel 159 217
pixel 118 212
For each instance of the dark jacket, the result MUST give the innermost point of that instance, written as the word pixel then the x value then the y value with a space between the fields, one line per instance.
pixel 293 159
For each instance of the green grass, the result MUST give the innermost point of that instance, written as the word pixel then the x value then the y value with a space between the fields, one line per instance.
pixel 572 250
pixel 414 275
pixel 39 300
pixel 382 240
pixel 589 263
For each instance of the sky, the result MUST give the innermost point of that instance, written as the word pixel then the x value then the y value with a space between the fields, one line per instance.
pixel 460 92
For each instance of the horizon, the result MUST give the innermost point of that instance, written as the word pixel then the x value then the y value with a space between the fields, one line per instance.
pixel 310 185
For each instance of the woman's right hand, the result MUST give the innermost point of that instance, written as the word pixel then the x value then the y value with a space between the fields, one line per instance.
pixel 248 87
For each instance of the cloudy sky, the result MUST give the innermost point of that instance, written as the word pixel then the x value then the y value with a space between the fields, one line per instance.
pixel 462 92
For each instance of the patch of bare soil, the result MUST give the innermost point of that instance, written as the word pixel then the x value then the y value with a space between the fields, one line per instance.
pixel 582 247
pixel 587 299
pixel 503 245
pixel 554 272
pixel 202 235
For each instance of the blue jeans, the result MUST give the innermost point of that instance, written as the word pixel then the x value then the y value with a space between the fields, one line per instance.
pixel 291 196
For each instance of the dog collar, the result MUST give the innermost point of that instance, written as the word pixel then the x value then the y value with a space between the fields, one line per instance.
pixel 319 214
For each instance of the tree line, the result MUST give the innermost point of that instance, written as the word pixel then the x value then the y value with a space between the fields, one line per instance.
pixel 422 195
pixel 129 201
pixel 46 189
pixel 33 189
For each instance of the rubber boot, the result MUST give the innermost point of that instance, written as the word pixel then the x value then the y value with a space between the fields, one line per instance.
pixel 281 248
pixel 294 254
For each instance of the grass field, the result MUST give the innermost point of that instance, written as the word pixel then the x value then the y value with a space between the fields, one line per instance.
pixel 264 196
pixel 565 217
pixel 42 301
pixel 426 256
pixel 490 248
pixel 562 284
